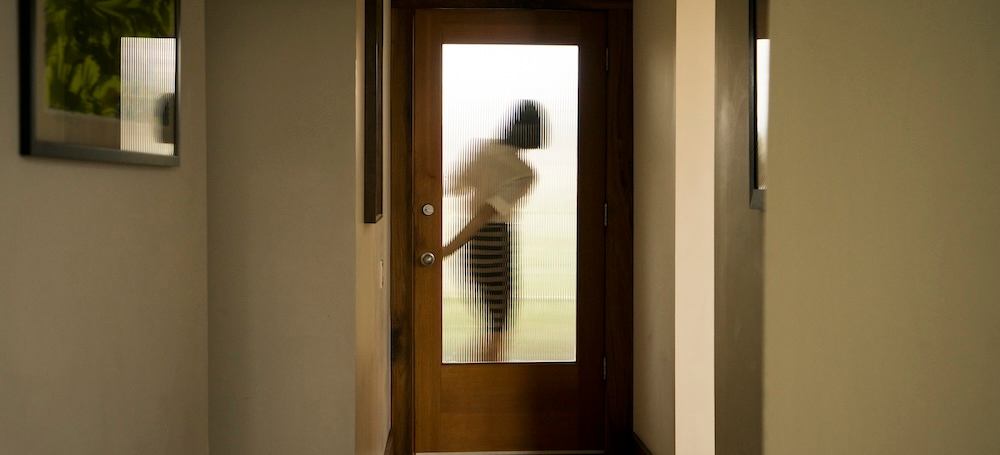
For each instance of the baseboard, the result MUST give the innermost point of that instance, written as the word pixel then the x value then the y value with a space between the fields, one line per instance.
pixel 639 447
pixel 388 443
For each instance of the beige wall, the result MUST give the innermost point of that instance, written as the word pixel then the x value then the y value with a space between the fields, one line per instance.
pixel 372 375
pixel 739 248
pixel 882 297
pixel 695 227
pixel 292 269
pixel 103 286
pixel 674 202
pixel 655 40
pixel 104 277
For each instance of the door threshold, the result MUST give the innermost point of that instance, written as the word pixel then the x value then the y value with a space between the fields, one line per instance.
pixel 524 452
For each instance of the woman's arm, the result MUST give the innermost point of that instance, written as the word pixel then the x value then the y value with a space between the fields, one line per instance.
pixel 482 216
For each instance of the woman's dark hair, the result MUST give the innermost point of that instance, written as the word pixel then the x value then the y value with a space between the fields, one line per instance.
pixel 524 127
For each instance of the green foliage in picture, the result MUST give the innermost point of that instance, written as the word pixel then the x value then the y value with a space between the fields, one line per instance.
pixel 83 48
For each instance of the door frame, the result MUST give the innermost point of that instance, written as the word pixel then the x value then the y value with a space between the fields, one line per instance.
pixel 618 233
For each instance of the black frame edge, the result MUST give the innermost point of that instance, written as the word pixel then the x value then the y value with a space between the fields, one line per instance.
pixel 31 147
pixel 374 48
pixel 757 195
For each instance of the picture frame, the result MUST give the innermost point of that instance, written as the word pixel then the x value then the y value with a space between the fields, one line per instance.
pixel 374 29
pixel 100 81
pixel 759 49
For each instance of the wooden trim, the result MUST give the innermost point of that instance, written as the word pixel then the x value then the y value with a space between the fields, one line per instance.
pixel 516 4
pixel 426 186
pixel 401 240
pixel 639 447
pixel 619 235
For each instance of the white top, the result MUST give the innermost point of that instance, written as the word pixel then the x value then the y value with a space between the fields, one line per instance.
pixel 491 173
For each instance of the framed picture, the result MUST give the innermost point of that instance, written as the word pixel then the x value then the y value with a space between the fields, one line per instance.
pixel 374 18
pixel 760 83
pixel 99 80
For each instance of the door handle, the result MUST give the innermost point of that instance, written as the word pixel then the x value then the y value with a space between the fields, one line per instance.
pixel 427 259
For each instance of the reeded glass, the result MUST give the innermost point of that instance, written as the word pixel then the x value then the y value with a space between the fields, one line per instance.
pixel 509 294
pixel 147 94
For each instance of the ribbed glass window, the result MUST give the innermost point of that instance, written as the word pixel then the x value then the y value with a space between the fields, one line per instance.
pixel 148 85
pixel 509 139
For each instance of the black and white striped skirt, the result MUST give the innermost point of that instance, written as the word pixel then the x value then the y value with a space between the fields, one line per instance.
pixel 488 264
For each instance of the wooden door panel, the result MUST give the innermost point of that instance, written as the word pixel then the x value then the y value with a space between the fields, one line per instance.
pixel 513 388
pixel 511 406
pixel 540 432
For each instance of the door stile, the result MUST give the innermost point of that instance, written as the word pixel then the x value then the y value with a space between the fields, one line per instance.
pixel 401 234
pixel 619 237
pixel 427 189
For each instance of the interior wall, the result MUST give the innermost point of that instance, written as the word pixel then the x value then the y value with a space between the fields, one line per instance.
pixel 882 251
pixel 288 300
pixel 654 83
pixel 739 248
pixel 103 290
pixel 372 374
pixel 695 228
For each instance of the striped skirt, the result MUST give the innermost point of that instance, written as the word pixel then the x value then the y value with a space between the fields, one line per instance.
pixel 488 265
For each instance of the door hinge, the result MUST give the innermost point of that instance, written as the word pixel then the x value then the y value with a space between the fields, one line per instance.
pixel 605 368
pixel 605 214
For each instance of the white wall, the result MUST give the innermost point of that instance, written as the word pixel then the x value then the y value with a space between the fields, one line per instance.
pixel 654 47
pixel 292 269
pixel 882 252
pixel 103 286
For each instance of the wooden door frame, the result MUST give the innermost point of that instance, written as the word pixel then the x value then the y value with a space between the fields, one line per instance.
pixel 618 234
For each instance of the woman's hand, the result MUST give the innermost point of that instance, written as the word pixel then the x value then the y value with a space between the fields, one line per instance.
pixel 482 216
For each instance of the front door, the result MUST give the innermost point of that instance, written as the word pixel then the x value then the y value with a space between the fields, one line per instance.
pixel 509 155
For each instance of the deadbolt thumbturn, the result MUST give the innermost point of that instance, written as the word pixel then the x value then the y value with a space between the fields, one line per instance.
pixel 427 258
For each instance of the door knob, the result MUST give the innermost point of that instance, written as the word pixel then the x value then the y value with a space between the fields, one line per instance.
pixel 427 259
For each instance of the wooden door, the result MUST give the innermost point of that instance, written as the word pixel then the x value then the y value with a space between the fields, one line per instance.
pixel 511 402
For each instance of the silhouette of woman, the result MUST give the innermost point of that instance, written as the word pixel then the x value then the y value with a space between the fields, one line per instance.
pixel 495 179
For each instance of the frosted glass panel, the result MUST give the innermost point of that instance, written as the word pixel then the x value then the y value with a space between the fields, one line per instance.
pixel 509 142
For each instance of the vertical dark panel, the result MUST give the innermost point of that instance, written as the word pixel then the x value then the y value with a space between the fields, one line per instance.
pixel 739 244
pixel 618 236
pixel 374 49
pixel 761 14
pixel 401 241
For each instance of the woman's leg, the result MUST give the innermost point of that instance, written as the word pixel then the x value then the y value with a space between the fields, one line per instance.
pixel 488 259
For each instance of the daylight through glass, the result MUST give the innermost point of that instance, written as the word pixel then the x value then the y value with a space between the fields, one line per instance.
pixel 509 151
